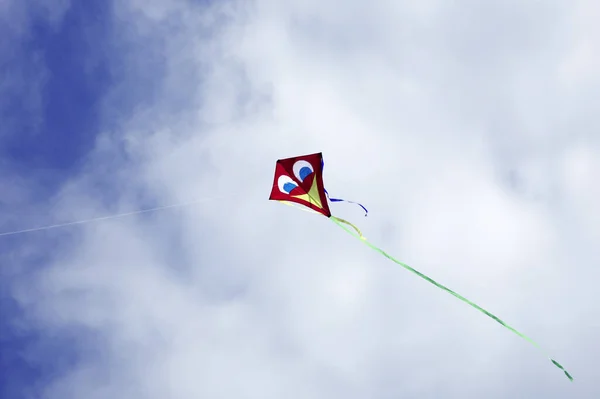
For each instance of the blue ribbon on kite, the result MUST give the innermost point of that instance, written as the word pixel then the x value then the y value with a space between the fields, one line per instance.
pixel 343 200
pixel 340 199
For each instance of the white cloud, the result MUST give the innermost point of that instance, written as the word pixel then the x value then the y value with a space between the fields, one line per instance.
pixel 421 113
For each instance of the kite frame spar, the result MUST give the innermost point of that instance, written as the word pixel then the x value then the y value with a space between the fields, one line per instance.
pixel 311 193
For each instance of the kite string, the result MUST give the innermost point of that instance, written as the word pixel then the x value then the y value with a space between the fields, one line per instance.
pixel 430 280
pixel 54 226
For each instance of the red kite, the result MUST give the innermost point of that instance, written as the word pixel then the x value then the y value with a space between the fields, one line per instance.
pixel 300 180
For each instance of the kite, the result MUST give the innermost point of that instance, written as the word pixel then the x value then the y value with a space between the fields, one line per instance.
pixel 299 180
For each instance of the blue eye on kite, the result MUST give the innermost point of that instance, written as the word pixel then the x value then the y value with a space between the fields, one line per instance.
pixel 286 184
pixel 288 187
pixel 302 170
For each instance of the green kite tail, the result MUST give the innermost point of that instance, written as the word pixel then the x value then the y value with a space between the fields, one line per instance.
pixel 342 222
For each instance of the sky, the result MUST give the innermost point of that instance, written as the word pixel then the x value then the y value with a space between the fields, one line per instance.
pixel 469 129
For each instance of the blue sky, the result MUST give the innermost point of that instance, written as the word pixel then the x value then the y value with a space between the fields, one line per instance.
pixel 468 130
pixel 46 145
pixel 58 67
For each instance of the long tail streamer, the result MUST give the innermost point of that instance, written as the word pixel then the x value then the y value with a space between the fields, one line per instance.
pixel 342 223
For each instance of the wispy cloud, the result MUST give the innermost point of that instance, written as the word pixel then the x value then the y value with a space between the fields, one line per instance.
pixel 467 128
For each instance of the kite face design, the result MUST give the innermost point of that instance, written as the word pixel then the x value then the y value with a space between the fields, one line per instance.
pixel 300 180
